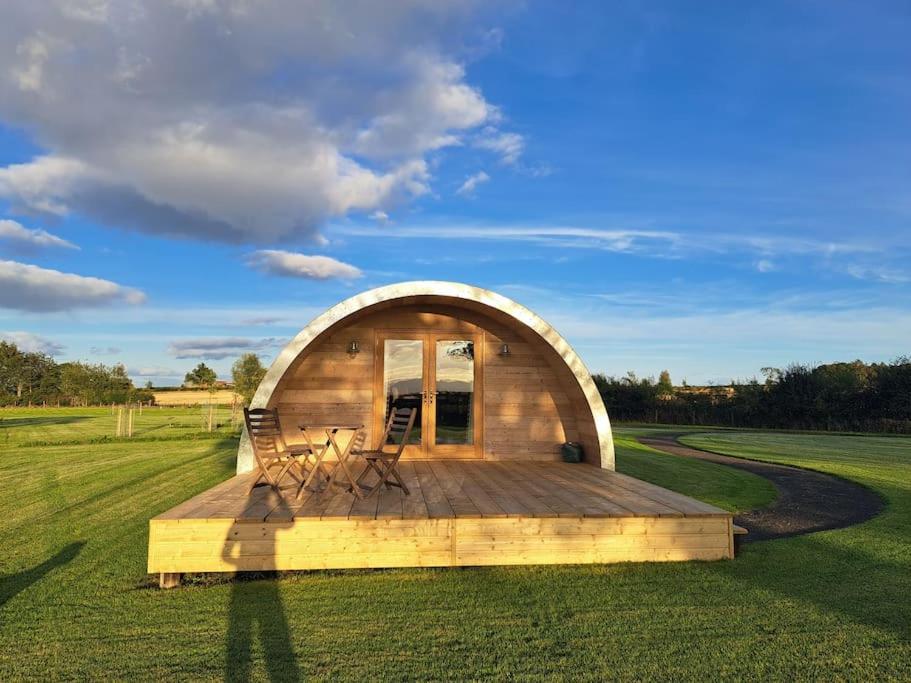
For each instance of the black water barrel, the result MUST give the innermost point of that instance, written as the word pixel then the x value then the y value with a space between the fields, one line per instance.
pixel 572 452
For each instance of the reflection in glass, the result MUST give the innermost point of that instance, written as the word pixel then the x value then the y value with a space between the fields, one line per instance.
pixel 454 392
pixel 403 379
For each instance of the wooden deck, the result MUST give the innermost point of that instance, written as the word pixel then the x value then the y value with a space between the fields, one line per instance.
pixel 459 513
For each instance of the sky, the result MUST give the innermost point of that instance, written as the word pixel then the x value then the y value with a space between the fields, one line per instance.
pixel 709 188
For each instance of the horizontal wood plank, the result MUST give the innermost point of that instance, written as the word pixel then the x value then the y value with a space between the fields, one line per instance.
pixel 458 513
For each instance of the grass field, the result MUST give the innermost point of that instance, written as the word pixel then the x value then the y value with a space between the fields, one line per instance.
pixel 75 602
pixel 49 426
pixel 191 397
pixel 725 487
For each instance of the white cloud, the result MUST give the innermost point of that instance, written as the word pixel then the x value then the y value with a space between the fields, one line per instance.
pixel 621 240
pixel 646 241
pixel 263 320
pixel 471 183
pixel 218 319
pixel 26 287
pixel 104 350
pixel 721 332
pixel 32 54
pixel 878 273
pixel 94 11
pixel 879 263
pixel 770 336
pixel 217 348
pixel 21 236
pixel 234 121
pixel 509 146
pixel 539 170
pixel 153 371
pixel 291 264
pixel 439 92
pixel 380 217
pixel 32 343
pixel 44 184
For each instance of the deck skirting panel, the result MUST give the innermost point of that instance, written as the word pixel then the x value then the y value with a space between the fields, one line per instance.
pixel 226 545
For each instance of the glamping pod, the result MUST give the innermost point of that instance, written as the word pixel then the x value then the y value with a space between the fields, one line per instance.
pixel 422 424
pixel 489 378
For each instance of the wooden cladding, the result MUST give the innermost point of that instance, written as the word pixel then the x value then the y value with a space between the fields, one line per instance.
pixel 525 410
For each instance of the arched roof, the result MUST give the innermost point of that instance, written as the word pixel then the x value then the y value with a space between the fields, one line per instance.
pixel 431 289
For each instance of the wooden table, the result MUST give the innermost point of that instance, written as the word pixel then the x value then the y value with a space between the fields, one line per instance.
pixel 342 455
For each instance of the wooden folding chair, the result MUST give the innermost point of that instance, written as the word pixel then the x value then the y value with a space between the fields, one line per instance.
pixel 399 424
pixel 271 451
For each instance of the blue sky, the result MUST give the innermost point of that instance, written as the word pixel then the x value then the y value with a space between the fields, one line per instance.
pixel 709 188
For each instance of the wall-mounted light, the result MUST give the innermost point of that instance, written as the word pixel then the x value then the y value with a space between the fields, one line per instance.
pixel 353 347
pixel 504 349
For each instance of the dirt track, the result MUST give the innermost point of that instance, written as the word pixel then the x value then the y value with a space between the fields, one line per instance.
pixel 807 501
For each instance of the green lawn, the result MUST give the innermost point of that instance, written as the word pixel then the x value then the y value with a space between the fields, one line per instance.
pixel 75 602
pixel 726 487
pixel 74 425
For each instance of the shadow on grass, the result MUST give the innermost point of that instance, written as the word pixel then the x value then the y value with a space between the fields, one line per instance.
pixel 257 605
pixel 13 584
pixel 10 422
pixel 846 581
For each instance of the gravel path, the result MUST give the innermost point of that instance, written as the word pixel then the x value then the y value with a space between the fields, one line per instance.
pixel 807 501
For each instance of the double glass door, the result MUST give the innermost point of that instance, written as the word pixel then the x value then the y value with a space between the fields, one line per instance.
pixel 436 374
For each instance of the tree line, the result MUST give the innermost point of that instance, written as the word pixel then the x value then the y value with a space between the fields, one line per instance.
pixel 858 396
pixel 32 378
pixel 855 396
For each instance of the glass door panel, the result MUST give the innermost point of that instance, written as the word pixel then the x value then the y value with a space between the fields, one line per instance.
pixel 403 380
pixel 453 393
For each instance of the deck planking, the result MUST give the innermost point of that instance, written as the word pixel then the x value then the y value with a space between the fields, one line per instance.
pixel 460 512
pixel 453 488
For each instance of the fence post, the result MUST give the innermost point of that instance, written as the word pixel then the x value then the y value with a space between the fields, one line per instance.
pixel 119 421
pixel 130 424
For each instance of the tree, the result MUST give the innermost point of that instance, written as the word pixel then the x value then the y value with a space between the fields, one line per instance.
pixel 120 385
pixel 665 386
pixel 11 369
pixel 36 368
pixel 82 384
pixel 201 376
pixel 247 372
pixel 75 381
pixel 772 375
